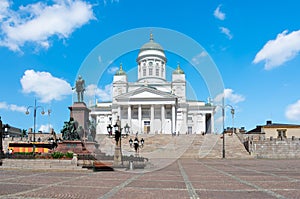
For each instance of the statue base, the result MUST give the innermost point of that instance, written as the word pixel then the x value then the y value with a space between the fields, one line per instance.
pixel 80 113
pixel 75 146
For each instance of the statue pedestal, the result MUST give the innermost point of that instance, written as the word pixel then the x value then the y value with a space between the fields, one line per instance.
pixel 80 113
pixel 90 146
pixel 75 146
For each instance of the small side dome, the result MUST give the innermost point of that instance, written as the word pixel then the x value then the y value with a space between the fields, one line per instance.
pixel 120 71
pixel 178 70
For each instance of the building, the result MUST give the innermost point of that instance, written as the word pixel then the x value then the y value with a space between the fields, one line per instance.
pixel 275 130
pixel 152 105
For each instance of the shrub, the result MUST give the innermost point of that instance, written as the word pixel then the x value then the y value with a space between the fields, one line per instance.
pixel 69 155
pixel 57 155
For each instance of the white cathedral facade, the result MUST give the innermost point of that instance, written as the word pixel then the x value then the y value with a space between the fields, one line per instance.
pixel 152 105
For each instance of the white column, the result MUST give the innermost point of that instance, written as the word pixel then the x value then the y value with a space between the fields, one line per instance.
pixel 173 119
pixel 152 119
pixel 140 119
pixel 119 112
pixel 163 118
pixel 212 123
pixel 129 115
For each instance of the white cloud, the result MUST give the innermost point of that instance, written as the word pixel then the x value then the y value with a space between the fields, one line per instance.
pixel 113 70
pixel 104 94
pixel 45 128
pixel 230 96
pixel 197 59
pixel 276 52
pixel 226 31
pixel 292 112
pixel 4 5
pixel 219 14
pixel 45 86
pixel 12 107
pixel 37 23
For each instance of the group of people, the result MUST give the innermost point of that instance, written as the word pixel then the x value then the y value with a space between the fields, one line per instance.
pixel 9 152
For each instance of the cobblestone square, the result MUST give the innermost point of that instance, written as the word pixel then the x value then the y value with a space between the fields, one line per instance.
pixel 184 178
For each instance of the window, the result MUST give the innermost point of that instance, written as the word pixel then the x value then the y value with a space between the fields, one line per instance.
pixel 150 71
pixel 281 133
pixel 144 71
pixel 157 72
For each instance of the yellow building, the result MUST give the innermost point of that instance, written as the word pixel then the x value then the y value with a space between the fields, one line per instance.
pixel 276 130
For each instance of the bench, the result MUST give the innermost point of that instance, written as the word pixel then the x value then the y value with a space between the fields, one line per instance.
pixel 102 166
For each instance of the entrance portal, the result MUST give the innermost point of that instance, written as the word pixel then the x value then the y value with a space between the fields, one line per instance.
pixel 147 127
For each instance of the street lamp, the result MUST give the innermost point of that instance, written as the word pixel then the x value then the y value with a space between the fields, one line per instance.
pixel 34 116
pixel 223 106
pixel 136 143
pixel 118 160
pixel 117 133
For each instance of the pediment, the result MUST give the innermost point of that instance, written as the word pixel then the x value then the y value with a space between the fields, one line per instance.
pixel 146 93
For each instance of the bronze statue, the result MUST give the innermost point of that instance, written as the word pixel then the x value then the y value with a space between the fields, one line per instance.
pixel 69 131
pixel 80 88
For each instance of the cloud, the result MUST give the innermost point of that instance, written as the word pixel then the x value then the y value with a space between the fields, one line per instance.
pixel 104 94
pixel 45 128
pixel 12 107
pixel 45 86
pixel 197 59
pixel 219 14
pixel 226 31
pixel 37 23
pixel 230 96
pixel 276 52
pixel 292 112
pixel 113 70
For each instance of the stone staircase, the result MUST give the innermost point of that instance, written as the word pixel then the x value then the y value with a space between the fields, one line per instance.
pixel 211 146
pixel 184 146
pixel 41 164
pixel 192 150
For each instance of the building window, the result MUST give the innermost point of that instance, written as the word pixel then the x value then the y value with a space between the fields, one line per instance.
pixel 144 71
pixel 150 71
pixel 157 72
pixel 281 133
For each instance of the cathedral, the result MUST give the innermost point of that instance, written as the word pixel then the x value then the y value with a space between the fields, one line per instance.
pixel 152 105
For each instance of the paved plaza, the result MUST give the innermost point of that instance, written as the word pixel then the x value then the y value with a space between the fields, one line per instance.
pixel 184 178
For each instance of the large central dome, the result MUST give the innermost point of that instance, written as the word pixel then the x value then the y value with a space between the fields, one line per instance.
pixel 151 45
pixel 151 62
pixel 150 49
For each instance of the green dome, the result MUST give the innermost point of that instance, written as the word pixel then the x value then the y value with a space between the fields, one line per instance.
pixel 178 70
pixel 120 71
pixel 151 45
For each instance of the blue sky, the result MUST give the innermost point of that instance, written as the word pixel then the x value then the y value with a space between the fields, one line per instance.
pixel 254 44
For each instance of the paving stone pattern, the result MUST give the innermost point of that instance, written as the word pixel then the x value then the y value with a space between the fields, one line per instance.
pixel 184 178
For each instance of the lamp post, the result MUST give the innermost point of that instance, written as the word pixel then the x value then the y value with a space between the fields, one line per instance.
pixel 35 107
pixel 136 143
pixel 223 106
pixel 118 150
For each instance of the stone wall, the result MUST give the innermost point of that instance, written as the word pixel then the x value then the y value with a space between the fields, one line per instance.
pixel 274 148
